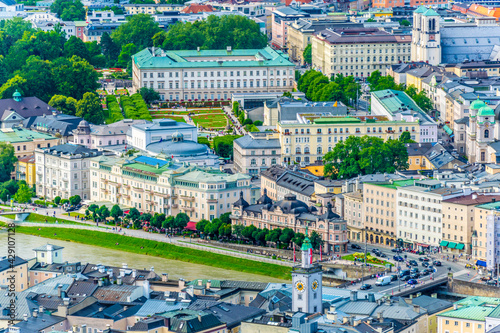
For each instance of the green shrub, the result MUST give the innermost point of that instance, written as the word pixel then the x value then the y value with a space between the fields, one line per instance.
pixel 115 113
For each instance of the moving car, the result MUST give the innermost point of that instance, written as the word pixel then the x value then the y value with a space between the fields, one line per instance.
pixel 383 281
pixel 366 286
pixel 436 263
pixel 486 278
pixel 412 281
pixel 398 258
pixel 404 278
pixel 413 263
pixel 492 282
pixel 415 275
pixel 394 277
pixel 355 247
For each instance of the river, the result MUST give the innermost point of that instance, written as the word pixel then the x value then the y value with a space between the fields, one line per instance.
pixel 96 255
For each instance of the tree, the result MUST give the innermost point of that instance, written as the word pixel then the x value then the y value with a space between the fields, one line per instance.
pixel 75 200
pixel 103 213
pixel 405 23
pixel 307 54
pixel 168 223
pixel 181 221
pixel 298 239
pixel 157 220
pixel 35 71
pixel 146 217
pixel 316 240
pixel 66 105
pixel 223 145
pixel 134 216
pixel 236 107
pixel 365 155
pixel 204 141
pixel 75 46
pixel 225 230
pixel 247 232
pixel 286 236
pixel 57 200
pixel 238 230
pixel 258 123
pixel 379 82
pixel 7 161
pixel 109 49
pixel 406 137
pixel 68 10
pixel 260 236
pixel 201 225
pixel 23 194
pixel 138 30
pixel 4 195
pixel 424 102
pixel 90 108
pixel 370 20
pixel 274 236
pixel 74 77
pixel 216 32
pixel 149 95
pixel 125 57
pixel 116 213
pixel 16 83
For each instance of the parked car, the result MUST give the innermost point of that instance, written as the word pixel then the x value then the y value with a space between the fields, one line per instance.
pixel 355 247
pixel 469 266
pixel 404 272
pixel 414 270
pixel 413 263
pixel 404 278
pixel 382 255
pixel 486 278
pixel 366 286
pixel 412 281
pixel 398 258
pixel 425 264
pixel 394 277
pixel 426 259
pixel 437 263
pixel 415 275
pixel 425 272
pixel 421 259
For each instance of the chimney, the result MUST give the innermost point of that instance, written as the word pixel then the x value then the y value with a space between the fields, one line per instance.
pixel 198 49
pixel 416 308
pixel 493 200
pixel 40 309
pixel 371 297
pixel 351 320
pixel 182 295
pixel 182 283
pixel 25 317
pixel 474 196
pixel 454 306
pixel 380 316
pixel 102 269
pixel 209 284
pixel 35 313
pixel 134 273
pixel 84 328
pixel 229 49
pixel 434 295
pixel 354 295
pixel 199 317
pixel 119 281
pixel 66 301
pixel 333 308
pixel 166 293
pixel 164 277
pixel 99 282
pixel 124 265
pixel 59 289
pixel 152 269
pixel 128 299
pixel 145 289
pixel 200 282
pixel 332 315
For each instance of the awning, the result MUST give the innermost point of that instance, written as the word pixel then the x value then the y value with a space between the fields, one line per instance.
pixel 447 130
pixel 443 243
pixel 460 246
pixel 451 245
pixel 423 245
pixel 481 263
pixel 190 226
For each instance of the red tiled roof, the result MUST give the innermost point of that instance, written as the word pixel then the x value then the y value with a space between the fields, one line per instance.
pixel 195 9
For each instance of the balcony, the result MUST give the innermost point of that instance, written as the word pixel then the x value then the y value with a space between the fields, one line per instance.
pixel 187 198
pixel 163 195
pixel 212 200
pixel 175 205
pixel 105 180
pixel 186 208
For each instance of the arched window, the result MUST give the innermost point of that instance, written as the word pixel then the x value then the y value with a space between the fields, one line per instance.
pixel 306 150
pixel 486 134
pixel 319 150
pixel 297 150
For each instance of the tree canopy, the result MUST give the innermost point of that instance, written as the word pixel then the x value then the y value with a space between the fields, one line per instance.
pixel 7 161
pixel 319 88
pixel 307 54
pixel 216 32
pixel 90 108
pixel 68 10
pixel 365 155
pixel 138 30
pixel 223 145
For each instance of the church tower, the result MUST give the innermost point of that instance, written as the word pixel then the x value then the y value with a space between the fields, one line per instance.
pixel 485 133
pixel 307 282
pixel 426 36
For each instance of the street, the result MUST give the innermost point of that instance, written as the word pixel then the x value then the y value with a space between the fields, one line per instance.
pixel 456 267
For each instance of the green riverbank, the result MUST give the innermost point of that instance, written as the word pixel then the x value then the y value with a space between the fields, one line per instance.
pixel 159 249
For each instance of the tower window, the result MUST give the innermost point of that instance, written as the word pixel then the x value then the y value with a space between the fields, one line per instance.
pixel 486 134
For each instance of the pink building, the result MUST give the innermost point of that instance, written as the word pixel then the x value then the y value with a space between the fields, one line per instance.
pixel 280 18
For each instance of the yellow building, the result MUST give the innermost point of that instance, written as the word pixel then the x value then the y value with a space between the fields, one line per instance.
pixel 310 137
pixel 26 170
pixel 467 315
pixel 428 156
pixel 358 53
pixel 461 69
pixel 19 273
pixel 434 307
pixel 353 214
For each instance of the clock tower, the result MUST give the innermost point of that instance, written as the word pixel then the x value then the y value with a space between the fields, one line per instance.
pixel 307 282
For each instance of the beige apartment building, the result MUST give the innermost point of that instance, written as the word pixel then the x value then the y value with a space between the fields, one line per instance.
pixel 310 137
pixel 19 272
pixel 161 186
pixel 211 74
pixel 256 152
pixel 26 141
pixel 353 214
pixel 151 9
pixel 357 51
pixel 458 222
pixel 479 234
pixel 380 211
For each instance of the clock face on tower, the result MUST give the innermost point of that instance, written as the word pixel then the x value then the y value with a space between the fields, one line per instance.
pixel 432 37
pixel 299 286
pixel 315 285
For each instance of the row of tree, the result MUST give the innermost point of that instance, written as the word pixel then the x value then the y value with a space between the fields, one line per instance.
pixel 319 88
pixel 366 155
pixel 89 107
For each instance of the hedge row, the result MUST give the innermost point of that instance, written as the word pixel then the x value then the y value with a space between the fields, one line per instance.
pixel 127 107
pixel 115 113
pixel 141 108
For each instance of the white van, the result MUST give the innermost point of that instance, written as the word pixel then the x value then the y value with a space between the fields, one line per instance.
pixel 383 281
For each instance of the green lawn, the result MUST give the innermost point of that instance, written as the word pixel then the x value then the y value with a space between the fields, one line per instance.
pixel 178 119
pixel 211 121
pixel 159 249
pixel 371 259
pixel 37 218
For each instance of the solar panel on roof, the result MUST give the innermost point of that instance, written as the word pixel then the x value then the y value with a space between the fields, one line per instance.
pixel 150 161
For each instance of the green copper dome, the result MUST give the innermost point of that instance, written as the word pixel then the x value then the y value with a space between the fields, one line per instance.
pixel 306 244
pixel 486 111
pixel 420 9
pixel 477 104
pixel 17 96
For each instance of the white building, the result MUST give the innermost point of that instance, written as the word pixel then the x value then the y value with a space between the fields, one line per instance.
pixel 256 152
pixel 419 213
pixel 63 171
pixel 211 74
pixel 10 9
pixel 492 241
pixel 142 135
pixel 162 186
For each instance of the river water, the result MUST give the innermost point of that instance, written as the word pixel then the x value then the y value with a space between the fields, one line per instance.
pixel 73 252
